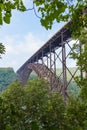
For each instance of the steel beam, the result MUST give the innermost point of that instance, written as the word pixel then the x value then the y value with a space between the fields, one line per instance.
pixel 64 66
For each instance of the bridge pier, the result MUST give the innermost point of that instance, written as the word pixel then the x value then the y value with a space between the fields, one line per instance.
pixel 64 65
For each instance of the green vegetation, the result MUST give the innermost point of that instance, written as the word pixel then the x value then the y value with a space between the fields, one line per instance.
pixel 50 11
pixel 56 10
pixel 32 75
pixel 71 69
pixel 33 107
pixel 7 76
pixel 2 49
pixel 73 88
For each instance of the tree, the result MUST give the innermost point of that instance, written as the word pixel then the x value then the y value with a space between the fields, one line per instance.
pixel 11 113
pixel 44 110
pixel 76 111
pixel 2 49
pixel 80 55
pixel 50 10
pixel 32 107
pixel 56 10
pixel 6 7
pixel 76 114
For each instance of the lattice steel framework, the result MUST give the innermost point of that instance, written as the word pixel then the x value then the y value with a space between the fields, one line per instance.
pixel 45 62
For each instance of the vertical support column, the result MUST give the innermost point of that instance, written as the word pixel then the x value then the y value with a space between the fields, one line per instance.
pixel 42 69
pixel 42 57
pixel 81 73
pixel 50 57
pixel 64 67
pixel 47 61
pixel 37 59
pixel 54 63
pixel 50 66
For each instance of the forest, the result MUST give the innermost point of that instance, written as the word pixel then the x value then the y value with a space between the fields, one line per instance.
pixel 33 107
pixel 8 76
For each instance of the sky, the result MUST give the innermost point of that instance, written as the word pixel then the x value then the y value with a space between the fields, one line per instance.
pixel 23 37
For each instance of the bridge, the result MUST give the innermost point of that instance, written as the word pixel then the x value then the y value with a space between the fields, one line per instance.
pixel 48 58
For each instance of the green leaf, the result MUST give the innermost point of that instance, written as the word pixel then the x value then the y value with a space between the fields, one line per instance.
pixel 6 19
pixel 8 127
pixel 1 6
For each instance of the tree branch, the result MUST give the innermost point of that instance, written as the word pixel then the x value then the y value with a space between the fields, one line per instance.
pixel 33 8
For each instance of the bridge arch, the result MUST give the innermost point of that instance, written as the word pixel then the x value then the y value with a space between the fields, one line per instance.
pixel 42 71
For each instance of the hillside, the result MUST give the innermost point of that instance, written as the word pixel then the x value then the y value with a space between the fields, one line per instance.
pixel 72 70
pixel 7 76
pixel 72 87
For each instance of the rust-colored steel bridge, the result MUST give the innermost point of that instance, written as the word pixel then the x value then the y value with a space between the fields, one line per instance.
pixel 46 61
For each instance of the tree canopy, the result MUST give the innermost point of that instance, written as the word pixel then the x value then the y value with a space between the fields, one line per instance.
pixel 34 108
pixel 2 49
pixel 63 10
pixel 31 107
pixel 6 7
pixel 7 76
pixel 50 10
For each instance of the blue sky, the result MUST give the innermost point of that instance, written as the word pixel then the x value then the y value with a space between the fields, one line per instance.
pixel 23 37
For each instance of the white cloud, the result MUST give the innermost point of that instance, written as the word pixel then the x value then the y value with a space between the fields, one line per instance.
pixel 19 49
pixel 28 44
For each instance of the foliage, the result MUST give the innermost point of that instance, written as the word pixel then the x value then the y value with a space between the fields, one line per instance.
pixel 42 106
pixel 32 107
pixel 10 107
pixel 63 11
pixel 7 76
pixel 80 54
pixel 6 7
pixel 76 111
pixel 73 88
pixel 50 10
pixel 2 49
pixel 32 75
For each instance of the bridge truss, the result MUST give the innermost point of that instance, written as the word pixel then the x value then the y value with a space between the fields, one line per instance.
pixel 54 54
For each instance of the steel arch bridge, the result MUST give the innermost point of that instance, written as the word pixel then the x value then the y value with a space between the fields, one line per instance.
pixel 48 58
